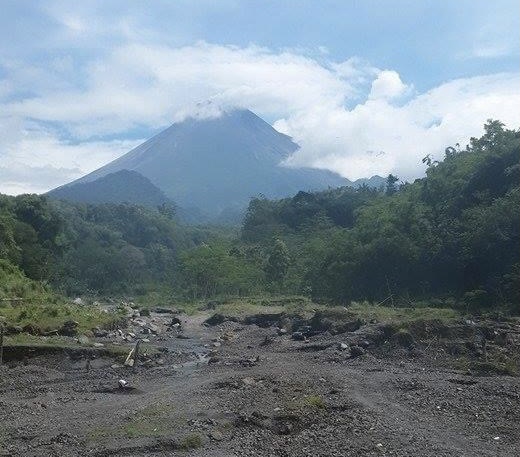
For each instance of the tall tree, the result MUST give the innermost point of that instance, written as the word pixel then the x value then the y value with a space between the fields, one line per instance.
pixel 277 263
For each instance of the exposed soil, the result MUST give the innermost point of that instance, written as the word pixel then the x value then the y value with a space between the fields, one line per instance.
pixel 237 389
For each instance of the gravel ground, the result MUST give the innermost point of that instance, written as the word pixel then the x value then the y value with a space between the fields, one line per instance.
pixel 241 390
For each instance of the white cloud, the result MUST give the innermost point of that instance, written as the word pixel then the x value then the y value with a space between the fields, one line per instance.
pixel 153 85
pixel 377 137
pixel 34 159
pixel 387 85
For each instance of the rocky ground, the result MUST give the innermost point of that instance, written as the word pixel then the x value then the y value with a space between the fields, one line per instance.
pixel 270 385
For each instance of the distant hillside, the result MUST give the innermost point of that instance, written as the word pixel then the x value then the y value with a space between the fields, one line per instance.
pixel 124 186
pixel 215 165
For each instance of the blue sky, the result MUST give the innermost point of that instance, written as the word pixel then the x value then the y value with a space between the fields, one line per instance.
pixel 364 87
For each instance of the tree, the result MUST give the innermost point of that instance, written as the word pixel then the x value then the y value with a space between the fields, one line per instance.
pixel 277 263
pixel 391 187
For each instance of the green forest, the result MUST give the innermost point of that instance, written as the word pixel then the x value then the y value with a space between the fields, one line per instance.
pixel 452 237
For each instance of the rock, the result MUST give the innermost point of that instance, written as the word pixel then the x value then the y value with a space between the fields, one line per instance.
pixel 264 319
pixel 82 339
pixel 216 344
pixel 13 329
pixel 306 330
pixel 282 331
pixel 145 340
pixel 122 384
pixel 99 333
pixel 98 345
pixel 218 318
pixel 175 322
pixel 153 328
pixel 356 351
pixel 69 328
pixel 215 435
pixel 343 346
pixel 248 381
pixel 164 310
pixel 131 334
pixel 78 301
pixel 250 362
pixel 298 336
pixel 213 360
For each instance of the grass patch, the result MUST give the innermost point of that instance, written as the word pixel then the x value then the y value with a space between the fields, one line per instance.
pixel 191 441
pixel 242 307
pixel 151 421
pixel 497 365
pixel 24 339
pixel 388 314
pixel 314 401
pixel 51 316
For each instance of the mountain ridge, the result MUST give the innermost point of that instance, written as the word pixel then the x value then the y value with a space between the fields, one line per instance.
pixel 217 164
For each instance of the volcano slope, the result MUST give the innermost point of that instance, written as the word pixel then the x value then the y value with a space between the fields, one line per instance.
pixel 273 384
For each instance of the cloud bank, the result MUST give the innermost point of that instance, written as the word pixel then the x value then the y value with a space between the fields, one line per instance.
pixel 66 118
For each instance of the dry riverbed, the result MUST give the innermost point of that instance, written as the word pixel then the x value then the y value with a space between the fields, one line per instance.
pixel 268 385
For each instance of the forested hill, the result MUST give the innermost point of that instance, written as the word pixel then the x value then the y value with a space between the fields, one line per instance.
pixel 123 186
pixel 453 236
pixel 88 249
pixel 455 233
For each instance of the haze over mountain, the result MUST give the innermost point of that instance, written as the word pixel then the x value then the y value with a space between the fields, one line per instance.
pixel 213 165
pixel 123 186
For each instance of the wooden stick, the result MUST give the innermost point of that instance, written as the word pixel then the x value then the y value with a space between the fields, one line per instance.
pixel 136 354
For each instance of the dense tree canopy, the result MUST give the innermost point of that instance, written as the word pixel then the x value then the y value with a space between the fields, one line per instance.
pixel 453 234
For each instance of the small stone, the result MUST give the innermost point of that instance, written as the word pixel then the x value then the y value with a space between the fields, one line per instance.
pixel 298 336
pixel 248 381
pixel 343 346
pixel 82 339
pixel 98 345
pixel 215 435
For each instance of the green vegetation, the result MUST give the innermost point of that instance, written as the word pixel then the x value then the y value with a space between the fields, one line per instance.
pixel 48 317
pixel 449 240
pixel 151 421
pixel 191 441
pixel 314 401
pixel 453 235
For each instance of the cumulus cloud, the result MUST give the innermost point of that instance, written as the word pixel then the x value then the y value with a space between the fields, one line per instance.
pixel 387 85
pixel 379 137
pixel 350 116
pixel 33 159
